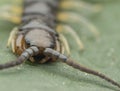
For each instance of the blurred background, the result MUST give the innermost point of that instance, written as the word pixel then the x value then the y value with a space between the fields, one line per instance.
pixel 101 54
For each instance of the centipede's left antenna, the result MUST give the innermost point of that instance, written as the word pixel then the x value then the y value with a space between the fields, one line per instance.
pixel 70 62
pixel 21 59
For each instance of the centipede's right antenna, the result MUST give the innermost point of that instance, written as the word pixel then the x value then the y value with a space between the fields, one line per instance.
pixel 70 62
pixel 24 56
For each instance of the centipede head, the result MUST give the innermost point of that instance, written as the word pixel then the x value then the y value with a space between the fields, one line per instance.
pixel 34 37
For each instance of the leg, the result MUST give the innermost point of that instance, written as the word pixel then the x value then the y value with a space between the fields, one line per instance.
pixel 10 17
pixel 71 17
pixel 17 1
pixel 68 29
pixel 16 10
pixel 12 38
pixel 65 43
pixel 12 9
pixel 78 5
pixel 63 49
pixel 11 13
pixel 59 48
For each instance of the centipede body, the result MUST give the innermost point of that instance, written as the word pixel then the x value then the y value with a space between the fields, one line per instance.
pixel 40 16
pixel 37 39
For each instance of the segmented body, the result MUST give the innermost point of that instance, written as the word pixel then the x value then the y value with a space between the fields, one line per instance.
pixel 39 16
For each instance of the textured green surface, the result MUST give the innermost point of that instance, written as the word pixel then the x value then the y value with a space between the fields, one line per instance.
pixel 102 55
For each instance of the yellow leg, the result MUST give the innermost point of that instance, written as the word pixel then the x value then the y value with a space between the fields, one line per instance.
pixel 68 29
pixel 12 38
pixel 63 49
pixel 78 5
pixel 10 17
pixel 11 9
pixel 58 46
pixel 11 13
pixel 74 18
pixel 65 43
pixel 13 45
pixel 17 1
pixel 16 10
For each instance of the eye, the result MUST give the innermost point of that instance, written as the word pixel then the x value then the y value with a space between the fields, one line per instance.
pixel 52 45
pixel 27 42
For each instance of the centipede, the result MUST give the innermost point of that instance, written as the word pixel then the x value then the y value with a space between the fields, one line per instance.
pixel 37 36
